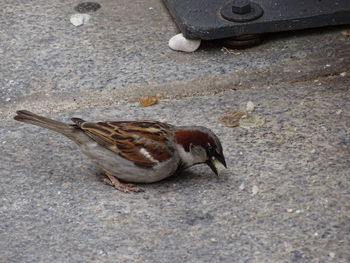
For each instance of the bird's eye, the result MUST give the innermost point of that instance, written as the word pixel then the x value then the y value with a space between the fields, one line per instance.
pixel 210 150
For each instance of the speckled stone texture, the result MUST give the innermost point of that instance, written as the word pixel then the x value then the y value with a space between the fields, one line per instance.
pixel 122 53
pixel 284 198
pixel 54 207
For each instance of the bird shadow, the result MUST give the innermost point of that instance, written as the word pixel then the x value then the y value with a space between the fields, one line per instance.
pixel 184 179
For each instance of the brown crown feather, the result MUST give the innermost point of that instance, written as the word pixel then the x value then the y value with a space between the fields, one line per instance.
pixel 188 137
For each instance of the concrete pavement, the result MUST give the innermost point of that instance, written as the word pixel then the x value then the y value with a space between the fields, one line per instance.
pixel 284 197
pixel 55 209
pixel 122 53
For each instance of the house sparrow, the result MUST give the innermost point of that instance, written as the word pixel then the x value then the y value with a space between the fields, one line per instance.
pixel 137 151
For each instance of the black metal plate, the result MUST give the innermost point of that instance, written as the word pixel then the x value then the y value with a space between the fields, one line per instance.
pixel 201 19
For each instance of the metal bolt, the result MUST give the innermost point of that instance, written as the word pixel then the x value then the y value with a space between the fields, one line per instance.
pixel 241 7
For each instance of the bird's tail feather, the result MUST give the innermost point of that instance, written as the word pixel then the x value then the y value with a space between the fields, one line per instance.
pixel 29 117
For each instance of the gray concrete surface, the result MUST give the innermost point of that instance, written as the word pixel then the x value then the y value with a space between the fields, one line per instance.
pixel 122 53
pixel 55 209
pixel 53 206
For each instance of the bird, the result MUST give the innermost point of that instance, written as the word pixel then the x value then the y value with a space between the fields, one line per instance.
pixel 140 151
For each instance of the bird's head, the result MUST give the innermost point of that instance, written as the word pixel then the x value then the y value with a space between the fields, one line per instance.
pixel 197 145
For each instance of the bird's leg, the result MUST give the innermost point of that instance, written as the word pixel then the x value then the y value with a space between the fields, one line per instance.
pixel 126 188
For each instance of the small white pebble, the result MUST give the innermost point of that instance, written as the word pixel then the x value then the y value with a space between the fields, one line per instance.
pixel 343 74
pixel 8 99
pixel 79 19
pixel 255 190
pixel 298 211
pixel 313 151
pixel 316 234
pixel 338 112
pixel 240 153
pixel 213 240
pixel 150 8
pixel 180 43
pixel 331 254
pixel 290 210
pixel 250 106
pixel 242 186
pixel 59 192
pixel 327 65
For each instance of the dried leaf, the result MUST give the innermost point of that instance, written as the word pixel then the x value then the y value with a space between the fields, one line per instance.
pixel 346 32
pixel 251 121
pixel 232 119
pixel 148 101
pixel 228 51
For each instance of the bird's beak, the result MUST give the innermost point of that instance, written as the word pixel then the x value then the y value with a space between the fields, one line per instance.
pixel 216 163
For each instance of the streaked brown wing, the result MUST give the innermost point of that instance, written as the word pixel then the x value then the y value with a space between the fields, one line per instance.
pixel 142 142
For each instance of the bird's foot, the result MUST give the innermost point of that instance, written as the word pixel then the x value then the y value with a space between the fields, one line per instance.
pixel 126 188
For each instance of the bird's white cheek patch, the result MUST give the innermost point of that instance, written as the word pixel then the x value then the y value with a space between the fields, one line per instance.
pixel 145 153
